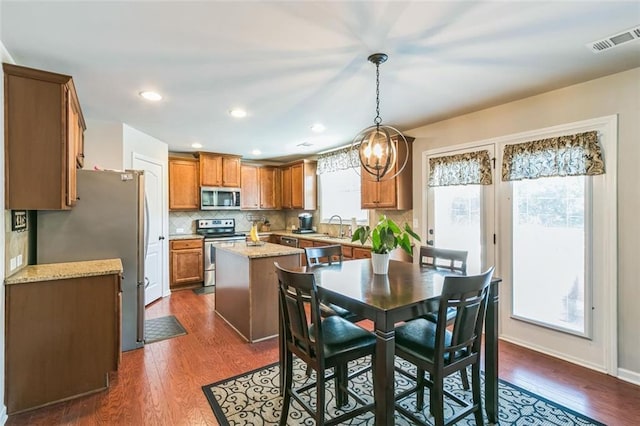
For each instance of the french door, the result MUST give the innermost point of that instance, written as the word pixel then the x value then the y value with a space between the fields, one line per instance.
pixel 461 217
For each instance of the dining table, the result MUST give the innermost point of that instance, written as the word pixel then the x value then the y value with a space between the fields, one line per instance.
pixel 404 293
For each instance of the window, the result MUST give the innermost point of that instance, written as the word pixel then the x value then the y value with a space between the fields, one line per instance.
pixel 340 194
pixel 550 256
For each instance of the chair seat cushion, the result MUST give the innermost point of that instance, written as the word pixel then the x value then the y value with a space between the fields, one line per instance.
pixel 433 316
pixel 341 336
pixel 418 337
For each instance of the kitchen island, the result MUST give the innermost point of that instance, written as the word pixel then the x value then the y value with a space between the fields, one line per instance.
pixel 247 286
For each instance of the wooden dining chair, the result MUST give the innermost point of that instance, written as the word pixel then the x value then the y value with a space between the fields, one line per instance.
pixel 322 344
pixel 435 349
pixel 329 255
pixel 439 258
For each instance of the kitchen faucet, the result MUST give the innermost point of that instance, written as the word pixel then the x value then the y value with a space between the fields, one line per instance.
pixel 340 234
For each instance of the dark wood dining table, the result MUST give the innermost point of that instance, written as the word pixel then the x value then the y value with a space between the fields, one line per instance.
pixel 399 296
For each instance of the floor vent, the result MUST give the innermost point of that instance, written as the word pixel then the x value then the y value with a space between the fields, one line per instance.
pixel 614 40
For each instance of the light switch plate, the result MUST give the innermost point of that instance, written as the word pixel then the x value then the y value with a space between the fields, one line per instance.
pixel 179 230
pixel 416 222
pixel 12 264
pixel 19 260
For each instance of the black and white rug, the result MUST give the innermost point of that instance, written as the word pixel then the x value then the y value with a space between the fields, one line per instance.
pixel 162 328
pixel 254 398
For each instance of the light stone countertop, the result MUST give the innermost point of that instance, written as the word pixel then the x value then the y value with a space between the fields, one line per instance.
pixel 185 237
pixel 265 250
pixel 346 241
pixel 61 271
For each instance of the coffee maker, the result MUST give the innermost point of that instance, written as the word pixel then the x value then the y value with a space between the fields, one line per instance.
pixel 304 224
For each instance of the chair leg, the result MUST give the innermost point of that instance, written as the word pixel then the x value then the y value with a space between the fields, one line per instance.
pixel 341 382
pixel 464 378
pixel 437 401
pixel 475 384
pixel 288 383
pixel 420 390
pixel 320 400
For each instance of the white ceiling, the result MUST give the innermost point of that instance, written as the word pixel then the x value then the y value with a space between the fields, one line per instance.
pixel 291 64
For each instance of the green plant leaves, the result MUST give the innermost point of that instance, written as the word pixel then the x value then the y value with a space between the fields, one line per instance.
pixel 386 236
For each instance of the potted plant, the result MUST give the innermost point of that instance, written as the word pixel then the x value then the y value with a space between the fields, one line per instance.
pixel 385 237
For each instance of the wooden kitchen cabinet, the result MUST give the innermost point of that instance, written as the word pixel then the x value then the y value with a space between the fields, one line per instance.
pixel 361 253
pixel 219 170
pixel 299 186
pixel 62 338
pixel 44 140
pixel 260 187
pixel 184 192
pixel 392 194
pixel 186 262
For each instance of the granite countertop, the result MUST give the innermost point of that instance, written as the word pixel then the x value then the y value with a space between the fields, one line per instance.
pixel 185 237
pixel 61 271
pixel 264 250
pixel 345 241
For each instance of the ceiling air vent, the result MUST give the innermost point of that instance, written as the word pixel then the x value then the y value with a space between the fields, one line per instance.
pixel 614 40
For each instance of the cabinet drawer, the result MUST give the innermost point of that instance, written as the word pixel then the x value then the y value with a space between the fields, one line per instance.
pixel 347 252
pixel 361 253
pixel 185 244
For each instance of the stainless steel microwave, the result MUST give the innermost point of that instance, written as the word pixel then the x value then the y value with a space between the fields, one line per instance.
pixel 214 198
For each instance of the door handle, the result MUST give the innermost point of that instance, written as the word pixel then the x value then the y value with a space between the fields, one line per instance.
pixel 161 237
pixel 146 282
pixel 429 242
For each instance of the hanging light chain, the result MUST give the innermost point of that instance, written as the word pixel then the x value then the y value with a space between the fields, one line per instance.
pixel 378 119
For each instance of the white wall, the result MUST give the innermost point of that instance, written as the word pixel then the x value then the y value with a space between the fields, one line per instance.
pixel 103 145
pixel 5 57
pixel 137 141
pixel 615 94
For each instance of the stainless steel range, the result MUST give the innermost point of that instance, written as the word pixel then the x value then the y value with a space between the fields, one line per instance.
pixel 215 231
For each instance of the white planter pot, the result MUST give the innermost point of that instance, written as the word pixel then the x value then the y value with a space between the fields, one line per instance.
pixel 380 263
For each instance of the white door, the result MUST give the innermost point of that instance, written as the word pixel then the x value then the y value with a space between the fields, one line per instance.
pixel 461 217
pixel 153 265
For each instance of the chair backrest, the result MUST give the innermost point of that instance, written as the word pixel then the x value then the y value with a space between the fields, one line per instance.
pixel 324 255
pixel 468 295
pixel 454 260
pixel 298 290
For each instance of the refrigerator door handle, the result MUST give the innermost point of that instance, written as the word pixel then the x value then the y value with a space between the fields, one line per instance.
pixel 146 226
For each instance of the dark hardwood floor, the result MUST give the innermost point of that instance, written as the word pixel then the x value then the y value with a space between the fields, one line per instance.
pixel 161 384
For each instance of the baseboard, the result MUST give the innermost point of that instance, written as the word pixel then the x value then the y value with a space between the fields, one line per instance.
pixel 3 415
pixel 629 376
pixel 546 351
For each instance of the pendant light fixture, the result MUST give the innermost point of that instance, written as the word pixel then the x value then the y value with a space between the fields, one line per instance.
pixel 377 144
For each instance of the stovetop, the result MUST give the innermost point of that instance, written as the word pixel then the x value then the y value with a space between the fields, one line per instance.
pixel 218 229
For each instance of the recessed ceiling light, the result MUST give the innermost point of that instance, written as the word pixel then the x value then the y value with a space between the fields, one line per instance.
pixel 151 96
pixel 256 152
pixel 196 145
pixel 318 128
pixel 238 113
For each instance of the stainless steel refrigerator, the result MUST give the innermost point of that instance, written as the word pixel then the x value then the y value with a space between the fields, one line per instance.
pixel 108 221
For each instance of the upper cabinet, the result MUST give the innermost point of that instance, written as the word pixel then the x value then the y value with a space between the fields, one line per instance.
pixel 260 187
pixel 299 188
pixel 184 191
pixel 44 140
pixel 219 170
pixel 391 194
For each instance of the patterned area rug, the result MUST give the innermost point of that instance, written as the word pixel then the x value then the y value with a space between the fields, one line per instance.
pixel 253 398
pixel 204 290
pixel 162 328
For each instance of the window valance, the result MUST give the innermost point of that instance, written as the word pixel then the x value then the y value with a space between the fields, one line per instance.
pixel 470 168
pixel 571 155
pixel 341 159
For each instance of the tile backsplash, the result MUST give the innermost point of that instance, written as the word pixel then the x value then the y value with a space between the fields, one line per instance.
pixel 184 222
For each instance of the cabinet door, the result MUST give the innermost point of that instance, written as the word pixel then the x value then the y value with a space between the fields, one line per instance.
pixel 231 172
pixel 387 193
pixel 297 186
pixel 250 196
pixel 286 188
pixel 368 191
pixel 302 244
pixel 183 185
pixel 269 188
pixel 210 170
pixel 361 253
pixel 186 266
pixel 73 119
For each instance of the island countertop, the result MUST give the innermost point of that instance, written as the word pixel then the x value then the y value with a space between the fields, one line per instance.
pixel 252 252
pixel 61 271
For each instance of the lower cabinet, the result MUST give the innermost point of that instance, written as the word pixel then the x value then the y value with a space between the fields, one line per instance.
pixel 361 253
pixel 62 339
pixel 186 263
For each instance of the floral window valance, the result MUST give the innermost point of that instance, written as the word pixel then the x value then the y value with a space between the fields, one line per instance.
pixel 571 155
pixel 342 159
pixel 470 168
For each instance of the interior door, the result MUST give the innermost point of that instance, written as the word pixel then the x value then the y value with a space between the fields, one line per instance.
pixel 154 265
pixel 461 217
